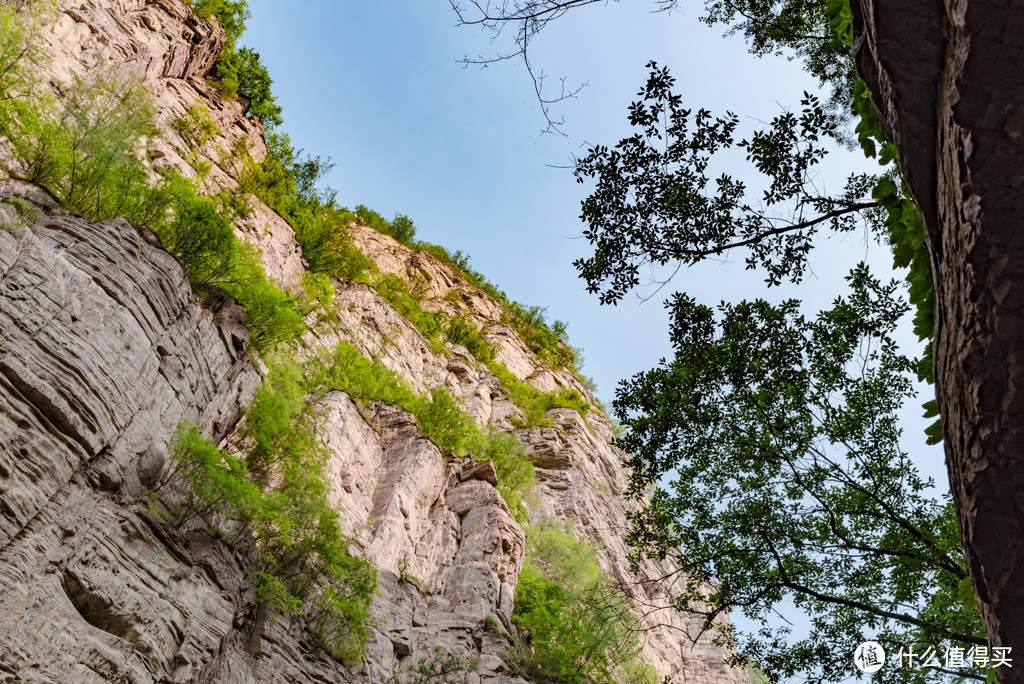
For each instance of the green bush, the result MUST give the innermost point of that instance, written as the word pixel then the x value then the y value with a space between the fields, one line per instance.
pixel 254 83
pixel 198 232
pixel 371 219
pixel 19 83
pixel 87 151
pixel 516 475
pixel 459 331
pixel 581 630
pixel 241 71
pixel 534 403
pixel 195 125
pixel 438 416
pixel 232 15
pixel 346 369
pixel 199 235
pixel 546 342
pixel 288 183
pixel 318 292
pixel 402 229
pixel 270 313
pixel 438 668
pixel 396 291
pixel 303 559
pixel 443 420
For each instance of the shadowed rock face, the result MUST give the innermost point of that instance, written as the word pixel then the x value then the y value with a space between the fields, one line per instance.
pixel 104 348
pixel 948 81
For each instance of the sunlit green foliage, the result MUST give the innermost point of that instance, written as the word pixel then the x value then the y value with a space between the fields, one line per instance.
pixel 304 564
pixel 288 183
pixel 514 467
pixel 240 71
pixel 581 630
pixel 438 416
pixel 87 150
pixel 19 89
pixel 458 331
pixel 532 401
pixel 394 289
pixel 195 125
pixel 199 234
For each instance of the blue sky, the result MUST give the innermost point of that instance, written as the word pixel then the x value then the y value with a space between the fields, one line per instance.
pixel 377 87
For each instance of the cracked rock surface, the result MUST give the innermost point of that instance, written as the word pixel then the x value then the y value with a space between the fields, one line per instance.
pixel 105 348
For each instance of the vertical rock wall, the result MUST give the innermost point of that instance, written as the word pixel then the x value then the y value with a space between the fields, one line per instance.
pixel 104 348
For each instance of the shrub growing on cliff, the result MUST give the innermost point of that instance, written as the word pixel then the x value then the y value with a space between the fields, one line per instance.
pixel 270 313
pixel 303 562
pixel 532 401
pixel 195 125
pixel 459 331
pixel 199 235
pixel 438 416
pixel 288 183
pixel 17 78
pixel 87 153
pixel 581 631
pixel 516 475
pixel 240 71
pixel 394 289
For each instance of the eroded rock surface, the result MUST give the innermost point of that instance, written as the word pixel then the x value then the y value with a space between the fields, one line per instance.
pixel 104 348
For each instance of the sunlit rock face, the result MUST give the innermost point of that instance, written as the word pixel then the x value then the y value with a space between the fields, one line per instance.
pixel 105 348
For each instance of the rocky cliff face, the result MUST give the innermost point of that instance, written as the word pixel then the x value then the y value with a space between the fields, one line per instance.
pixel 104 348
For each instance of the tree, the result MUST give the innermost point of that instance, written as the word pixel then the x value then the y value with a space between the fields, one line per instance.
pixel 770 441
pixel 752 419
pixel 948 98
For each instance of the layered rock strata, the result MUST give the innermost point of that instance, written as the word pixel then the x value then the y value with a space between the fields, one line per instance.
pixel 104 348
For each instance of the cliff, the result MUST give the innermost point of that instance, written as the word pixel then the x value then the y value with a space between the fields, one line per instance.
pixel 105 348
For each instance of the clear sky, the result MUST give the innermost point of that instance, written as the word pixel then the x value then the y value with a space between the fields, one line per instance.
pixel 377 87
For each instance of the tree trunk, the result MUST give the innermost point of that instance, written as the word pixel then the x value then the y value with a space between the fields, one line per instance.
pixel 947 79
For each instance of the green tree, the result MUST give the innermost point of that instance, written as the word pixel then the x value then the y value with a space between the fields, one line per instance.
pixel 240 69
pixel 580 629
pixel 768 443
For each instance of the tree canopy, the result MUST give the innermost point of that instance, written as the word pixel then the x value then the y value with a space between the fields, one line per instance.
pixel 769 443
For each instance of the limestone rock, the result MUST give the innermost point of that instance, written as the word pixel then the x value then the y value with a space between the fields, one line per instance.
pixel 104 349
